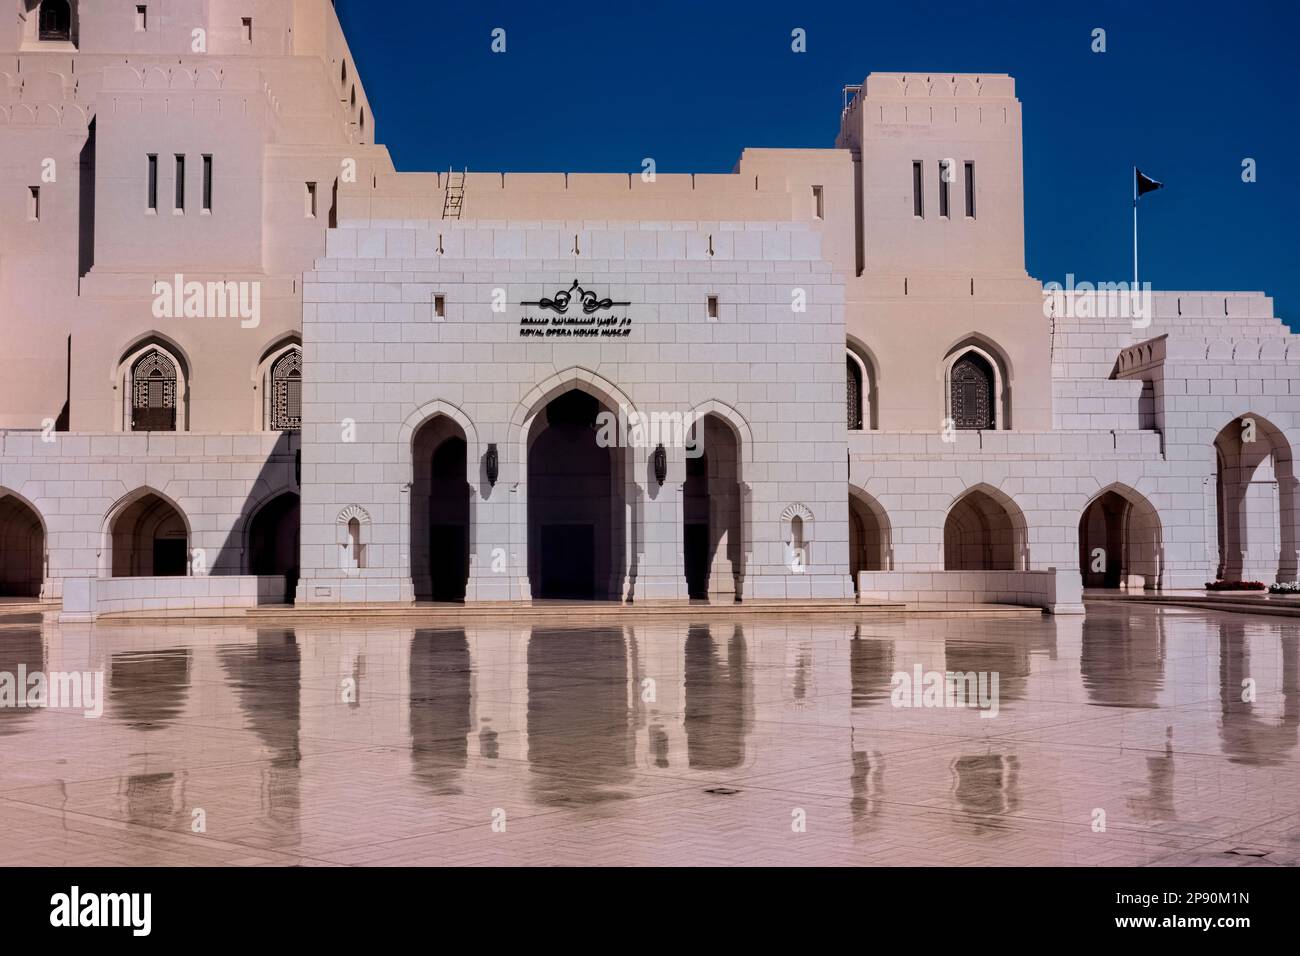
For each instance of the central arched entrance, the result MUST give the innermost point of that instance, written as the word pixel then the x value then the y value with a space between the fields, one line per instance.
pixel 576 517
pixel 1256 490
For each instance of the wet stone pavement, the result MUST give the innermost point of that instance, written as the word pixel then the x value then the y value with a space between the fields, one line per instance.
pixel 1117 738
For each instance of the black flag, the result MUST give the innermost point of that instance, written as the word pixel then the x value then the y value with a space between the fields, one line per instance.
pixel 1145 184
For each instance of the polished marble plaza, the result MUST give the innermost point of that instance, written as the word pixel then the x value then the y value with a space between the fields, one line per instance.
pixel 749 741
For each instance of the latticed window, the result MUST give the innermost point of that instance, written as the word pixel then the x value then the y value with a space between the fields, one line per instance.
pixel 973 398
pixel 153 393
pixel 854 379
pixel 55 20
pixel 286 392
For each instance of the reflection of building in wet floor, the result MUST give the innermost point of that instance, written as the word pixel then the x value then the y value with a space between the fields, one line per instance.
pixel 718 699
pixel 987 787
pixel 871 668
pixel 1123 658
pixel 266 677
pixel 867 784
pixel 19 647
pixel 1248 735
pixel 581 743
pixel 1158 802
pixel 147 690
pixel 441 708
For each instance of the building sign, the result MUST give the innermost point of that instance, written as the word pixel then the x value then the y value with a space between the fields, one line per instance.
pixel 575 313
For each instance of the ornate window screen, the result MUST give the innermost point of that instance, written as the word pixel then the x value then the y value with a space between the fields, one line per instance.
pixel 973 393
pixel 153 393
pixel 286 392
pixel 854 379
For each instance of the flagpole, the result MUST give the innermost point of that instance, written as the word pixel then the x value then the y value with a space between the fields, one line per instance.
pixel 1135 230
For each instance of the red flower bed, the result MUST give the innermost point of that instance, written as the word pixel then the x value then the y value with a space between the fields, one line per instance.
pixel 1235 586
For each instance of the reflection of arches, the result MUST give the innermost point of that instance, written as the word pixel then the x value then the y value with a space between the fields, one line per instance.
pixel 440 511
pixel 976 386
pixel 1247 736
pixel 985 531
pixel 1123 526
pixel 1256 489
pixel 273 536
pixel 717 706
pixel 713 511
pixel 22 547
pixel 870 537
pixel 1122 659
pixel 148 536
pixel 441 704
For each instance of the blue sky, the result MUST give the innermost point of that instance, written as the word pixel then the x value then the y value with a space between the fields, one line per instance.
pixel 1185 90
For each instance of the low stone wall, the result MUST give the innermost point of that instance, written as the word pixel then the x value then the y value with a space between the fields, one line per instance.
pixel 85 599
pixel 1057 592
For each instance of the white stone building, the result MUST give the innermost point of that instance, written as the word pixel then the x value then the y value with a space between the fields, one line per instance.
pixel 243 348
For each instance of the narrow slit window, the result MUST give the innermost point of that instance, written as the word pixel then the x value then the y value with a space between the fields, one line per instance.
pixel 248 29
pixel 713 306
pixel 918 186
pixel 152 195
pixel 819 203
pixel 945 175
pixel 34 204
pixel 141 18
pixel 970 190
pixel 440 306
pixel 207 184
pixel 180 183
pixel 309 201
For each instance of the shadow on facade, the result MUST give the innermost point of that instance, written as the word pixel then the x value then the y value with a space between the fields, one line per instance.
pixel 265 538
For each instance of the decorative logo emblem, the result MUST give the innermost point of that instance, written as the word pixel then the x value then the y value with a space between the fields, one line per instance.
pixel 560 304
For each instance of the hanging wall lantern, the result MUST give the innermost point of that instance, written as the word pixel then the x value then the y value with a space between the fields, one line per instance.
pixel 493 463
pixel 661 464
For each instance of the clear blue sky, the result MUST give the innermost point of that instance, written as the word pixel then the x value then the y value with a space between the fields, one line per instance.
pixel 1185 90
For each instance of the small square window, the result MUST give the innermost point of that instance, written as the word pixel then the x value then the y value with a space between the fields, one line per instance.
pixel 141 18
pixel 34 204
pixel 248 29
pixel 439 306
pixel 713 307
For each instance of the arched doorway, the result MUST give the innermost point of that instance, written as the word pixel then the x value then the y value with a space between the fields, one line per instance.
pixel 149 538
pixel 576 516
pixel 869 536
pixel 440 511
pixel 1119 542
pixel 1256 491
pixel 273 539
pixel 22 548
pixel 711 508
pixel 984 532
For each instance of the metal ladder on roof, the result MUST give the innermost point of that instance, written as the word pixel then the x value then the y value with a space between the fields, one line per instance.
pixel 454 199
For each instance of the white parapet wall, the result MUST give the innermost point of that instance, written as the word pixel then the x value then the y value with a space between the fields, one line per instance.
pixel 85 599
pixel 1057 592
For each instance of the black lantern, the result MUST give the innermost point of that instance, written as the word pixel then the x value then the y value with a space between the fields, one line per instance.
pixel 661 464
pixel 493 463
